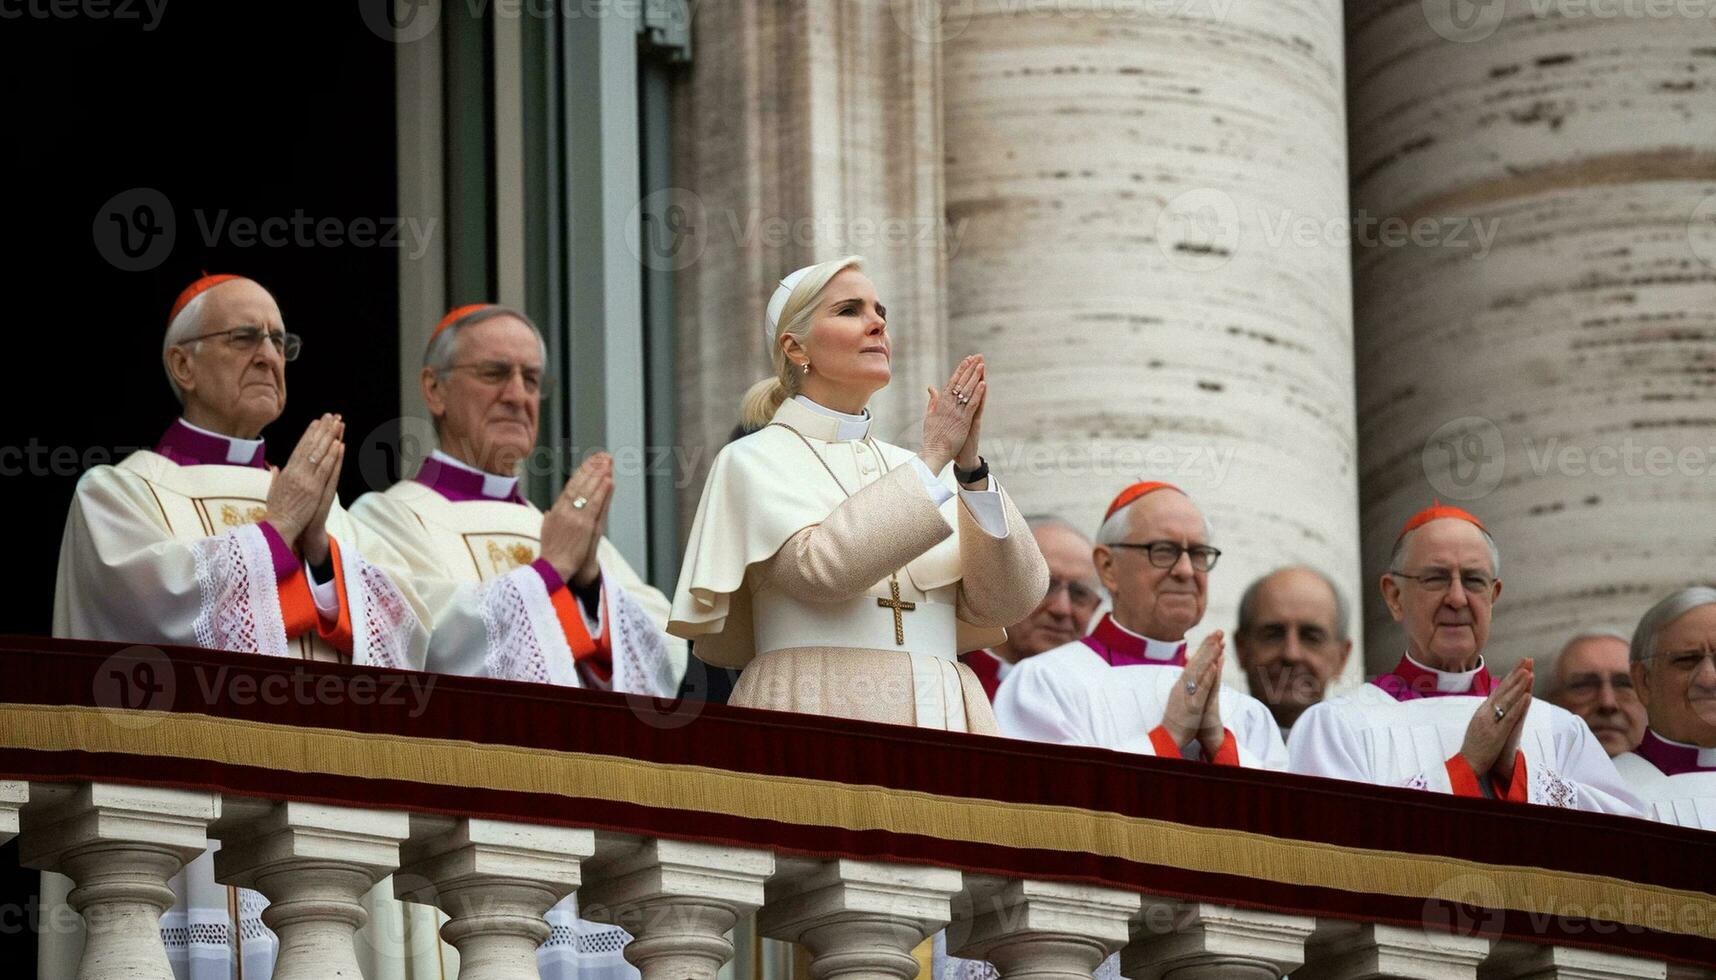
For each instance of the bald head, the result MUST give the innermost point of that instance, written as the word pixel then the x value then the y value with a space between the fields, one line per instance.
pixel 1292 639
pixel 1160 603
pixel 1592 680
pixel 1064 614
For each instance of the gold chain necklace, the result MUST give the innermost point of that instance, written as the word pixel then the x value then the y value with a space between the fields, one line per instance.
pixel 895 605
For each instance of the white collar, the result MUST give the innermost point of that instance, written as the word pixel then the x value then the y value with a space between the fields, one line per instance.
pixel 1153 649
pixel 238 451
pixel 1449 682
pixel 497 487
pixel 851 426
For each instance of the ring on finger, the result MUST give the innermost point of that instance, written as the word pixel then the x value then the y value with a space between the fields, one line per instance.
pixel 1500 712
pixel 580 503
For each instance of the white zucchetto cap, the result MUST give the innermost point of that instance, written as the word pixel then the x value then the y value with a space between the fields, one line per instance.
pixel 777 303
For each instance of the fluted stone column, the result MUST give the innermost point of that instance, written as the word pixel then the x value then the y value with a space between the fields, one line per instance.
pixel 860 920
pixel 806 130
pixel 120 844
pixel 1150 204
pixel 1540 346
pixel 313 862
pixel 678 899
pixel 1341 950
pixel 1042 929
pixel 496 879
pixel 1200 941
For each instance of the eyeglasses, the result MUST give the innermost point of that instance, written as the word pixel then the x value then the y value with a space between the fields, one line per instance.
pixel 1438 582
pixel 1686 661
pixel 498 373
pixel 248 339
pixel 1166 554
pixel 1588 687
pixel 1080 595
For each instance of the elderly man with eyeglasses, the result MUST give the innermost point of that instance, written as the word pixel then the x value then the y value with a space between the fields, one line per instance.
pixel 1439 721
pixel 1129 685
pixel 199 542
pixel 1062 617
pixel 1673 655
pixel 517 593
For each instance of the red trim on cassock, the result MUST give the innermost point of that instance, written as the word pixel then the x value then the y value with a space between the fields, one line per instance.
pixel 594 654
pixel 1228 754
pixel 1164 743
pixel 1517 789
pixel 338 634
pixel 1463 779
pixel 297 605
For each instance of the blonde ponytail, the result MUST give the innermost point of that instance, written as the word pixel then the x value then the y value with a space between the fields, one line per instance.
pixel 761 402
pixel 766 396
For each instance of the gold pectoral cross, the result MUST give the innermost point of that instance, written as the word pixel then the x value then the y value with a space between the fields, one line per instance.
pixel 898 607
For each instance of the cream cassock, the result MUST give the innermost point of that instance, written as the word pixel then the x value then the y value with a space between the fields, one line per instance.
pixel 1406 728
pixel 471 543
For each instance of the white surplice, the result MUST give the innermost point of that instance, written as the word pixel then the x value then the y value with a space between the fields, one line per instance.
pixel 159 552
pixel 1686 798
pixel 1072 696
pixel 1368 736
pixel 471 560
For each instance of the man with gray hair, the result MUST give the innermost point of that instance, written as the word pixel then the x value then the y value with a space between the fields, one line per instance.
pixel 1439 721
pixel 1064 614
pixel 514 592
pixel 1130 685
pixel 199 542
pixel 1674 669
pixel 1292 639
pixel 1592 679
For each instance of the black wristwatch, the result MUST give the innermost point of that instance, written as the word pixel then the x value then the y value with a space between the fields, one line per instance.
pixel 972 476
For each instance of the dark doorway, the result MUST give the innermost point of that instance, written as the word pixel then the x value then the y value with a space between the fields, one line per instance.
pixel 151 143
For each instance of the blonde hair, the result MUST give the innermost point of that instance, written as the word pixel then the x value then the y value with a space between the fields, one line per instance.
pixel 766 396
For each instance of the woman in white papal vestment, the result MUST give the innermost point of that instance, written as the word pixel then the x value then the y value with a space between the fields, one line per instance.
pixel 843 573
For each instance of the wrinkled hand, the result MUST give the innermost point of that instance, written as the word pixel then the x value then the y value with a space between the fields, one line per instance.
pixel 949 425
pixel 296 492
pixel 1211 732
pixel 1187 714
pixel 569 534
pixel 591 569
pixel 1491 742
pixel 314 541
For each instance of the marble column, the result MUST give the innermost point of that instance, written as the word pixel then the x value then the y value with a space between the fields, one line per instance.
pixel 859 920
pixel 805 130
pixel 1150 201
pixel 1535 297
